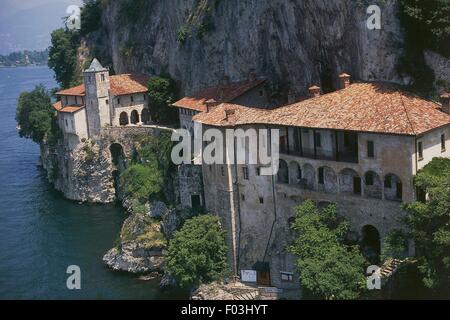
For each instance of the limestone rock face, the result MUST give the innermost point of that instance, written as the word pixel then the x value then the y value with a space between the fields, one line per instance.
pixel 293 43
pixel 134 258
pixel 157 209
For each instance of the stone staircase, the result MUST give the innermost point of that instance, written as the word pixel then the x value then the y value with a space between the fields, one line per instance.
pixel 389 268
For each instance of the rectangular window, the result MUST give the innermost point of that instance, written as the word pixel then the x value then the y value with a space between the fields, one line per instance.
pixel 103 77
pixel 321 176
pixel 107 101
pixel 242 197
pixel 67 124
pixel 370 149
pixel 258 171
pixel 118 100
pixel 318 140
pixel 442 142
pixel 66 100
pixel 245 173
pixel 420 150
pixel 346 139
pixel 286 276
pixel 261 200
pixel 222 171
pixel 73 124
pixel 132 99
pixel 145 97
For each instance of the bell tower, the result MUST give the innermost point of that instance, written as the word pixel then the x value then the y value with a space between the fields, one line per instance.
pixel 97 86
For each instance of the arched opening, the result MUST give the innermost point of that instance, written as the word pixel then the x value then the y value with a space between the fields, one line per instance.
pixel 372 185
pixel 393 188
pixel 327 180
pixel 117 154
pixel 134 117
pixel 349 182
pixel 123 119
pixel 370 244
pixel 145 116
pixel 308 177
pixel 283 172
pixel 295 173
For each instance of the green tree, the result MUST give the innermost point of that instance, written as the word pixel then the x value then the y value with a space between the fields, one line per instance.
pixel 141 181
pixel 198 252
pixel 35 114
pixel 162 93
pixel 63 57
pixel 91 15
pixel 430 225
pixel 328 268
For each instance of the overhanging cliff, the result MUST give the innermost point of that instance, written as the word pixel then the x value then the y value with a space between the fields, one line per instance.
pixel 295 43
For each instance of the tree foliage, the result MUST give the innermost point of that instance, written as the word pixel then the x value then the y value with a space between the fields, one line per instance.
pixel 35 114
pixel 328 268
pixel 91 14
pixel 141 181
pixel 162 93
pixel 63 57
pixel 430 225
pixel 198 252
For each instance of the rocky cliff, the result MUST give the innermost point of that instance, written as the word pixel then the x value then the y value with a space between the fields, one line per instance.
pixel 294 43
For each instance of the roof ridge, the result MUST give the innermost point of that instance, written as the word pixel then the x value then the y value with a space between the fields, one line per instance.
pixel 406 112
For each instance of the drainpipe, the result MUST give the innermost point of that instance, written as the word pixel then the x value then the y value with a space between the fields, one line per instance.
pixel 274 200
pixel 238 249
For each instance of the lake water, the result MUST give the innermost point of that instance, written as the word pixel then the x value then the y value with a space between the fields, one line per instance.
pixel 41 233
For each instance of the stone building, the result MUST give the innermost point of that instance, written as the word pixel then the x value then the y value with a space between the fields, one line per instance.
pixel 102 100
pixel 358 147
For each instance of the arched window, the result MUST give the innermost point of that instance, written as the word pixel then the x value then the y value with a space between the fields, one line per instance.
pixel 295 172
pixel 283 172
pixel 134 117
pixel 372 185
pixel 308 177
pixel 327 180
pixel 393 188
pixel 123 119
pixel 349 182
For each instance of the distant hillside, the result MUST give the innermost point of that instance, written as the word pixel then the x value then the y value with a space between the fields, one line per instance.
pixel 24 58
pixel 30 29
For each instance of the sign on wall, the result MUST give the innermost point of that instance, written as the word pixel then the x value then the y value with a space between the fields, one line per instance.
pixel 248 276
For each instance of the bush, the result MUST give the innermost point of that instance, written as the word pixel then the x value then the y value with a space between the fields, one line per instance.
pixel 35 114
pixel 198 252
pixel 142 181
pixel 328 268
pixel 183 34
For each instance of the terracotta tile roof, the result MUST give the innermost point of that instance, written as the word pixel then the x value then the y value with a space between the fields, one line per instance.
pixel 71 109
pixel 57 106
pixel 74 91
pixel 222 93
pixel 128 83
pixel 121 84
pixel 364 107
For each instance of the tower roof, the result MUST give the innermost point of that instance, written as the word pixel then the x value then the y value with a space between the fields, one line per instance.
pixel 95 66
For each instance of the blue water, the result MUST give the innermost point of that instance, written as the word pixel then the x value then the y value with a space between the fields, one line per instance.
pixel 41 233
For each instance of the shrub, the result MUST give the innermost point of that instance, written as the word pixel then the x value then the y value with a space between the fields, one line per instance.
pixel 142 181
pixel 198 252
pixel 162 92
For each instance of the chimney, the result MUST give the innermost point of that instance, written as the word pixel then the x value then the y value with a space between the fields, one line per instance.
pixel 252 75
pixel 210 104
pixel 445 100
pixel 225 80
pixel 344 80
pixel 314 91
pixel 229 115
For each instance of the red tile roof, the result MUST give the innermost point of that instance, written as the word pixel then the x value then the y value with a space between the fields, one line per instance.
pixel 222 93
pixel 74 91
pixel 68 109
pixel 57 106
pixel 122 84
pixel 364 107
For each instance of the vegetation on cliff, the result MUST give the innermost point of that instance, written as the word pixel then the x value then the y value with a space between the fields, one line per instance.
pixel 162 92
pixel 427 26
pixel 198 252
pixel 63 57
pixel 35 116
pixel 328 267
